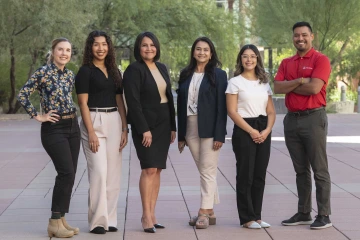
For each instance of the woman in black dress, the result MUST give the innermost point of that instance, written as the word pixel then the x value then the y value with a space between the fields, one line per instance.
pixel 151 114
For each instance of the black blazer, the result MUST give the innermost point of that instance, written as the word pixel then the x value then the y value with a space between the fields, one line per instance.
pixel 212 113
pixel 142 96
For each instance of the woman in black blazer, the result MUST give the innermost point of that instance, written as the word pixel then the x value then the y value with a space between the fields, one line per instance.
pixel 151 114
pixel 202 121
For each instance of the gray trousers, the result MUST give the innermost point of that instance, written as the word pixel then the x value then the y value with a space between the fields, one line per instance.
pixel 305 138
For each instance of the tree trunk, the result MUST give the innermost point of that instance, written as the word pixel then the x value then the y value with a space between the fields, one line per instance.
pixel 338 58
pixel 12 76
pixel 34 56
pixel 231 5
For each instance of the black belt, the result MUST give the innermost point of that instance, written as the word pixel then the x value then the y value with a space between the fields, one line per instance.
pixel 306 112
pixel 106 110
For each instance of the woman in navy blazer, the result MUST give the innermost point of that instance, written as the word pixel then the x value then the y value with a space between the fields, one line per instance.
pixel 151 113
pixel 202 121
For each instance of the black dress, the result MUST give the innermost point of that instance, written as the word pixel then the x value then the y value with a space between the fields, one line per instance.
pixel 146 113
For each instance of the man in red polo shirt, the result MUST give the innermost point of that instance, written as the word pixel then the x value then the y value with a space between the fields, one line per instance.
pixel 303 78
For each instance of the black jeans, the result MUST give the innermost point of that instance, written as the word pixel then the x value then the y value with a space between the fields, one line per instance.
pixel 252 160
pixel 305 138
pixel 61 141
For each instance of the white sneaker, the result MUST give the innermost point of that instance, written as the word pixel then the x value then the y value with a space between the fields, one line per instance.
pixel 254 225
pixel 264 224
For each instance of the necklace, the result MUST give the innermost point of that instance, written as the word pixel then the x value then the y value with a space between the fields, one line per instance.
pixel 196 85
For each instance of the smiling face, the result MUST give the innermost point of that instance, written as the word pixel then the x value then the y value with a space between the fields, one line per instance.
pixel 202 52
pixel 249 60
pixel 100 48
pixel 147 50
pixel 62 54
pixel 302 39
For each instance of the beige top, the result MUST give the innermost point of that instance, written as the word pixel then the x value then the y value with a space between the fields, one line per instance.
pixel 161 84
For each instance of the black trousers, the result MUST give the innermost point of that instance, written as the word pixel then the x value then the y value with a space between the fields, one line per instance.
pixel 61 141
pixel 252 160
pixel 305 138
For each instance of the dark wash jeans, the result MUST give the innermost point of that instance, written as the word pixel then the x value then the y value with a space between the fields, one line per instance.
pixel 305 138
pixel 252 160
pixel 61 141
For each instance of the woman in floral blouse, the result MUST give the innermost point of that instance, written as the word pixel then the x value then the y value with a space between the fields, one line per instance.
pixel 60 133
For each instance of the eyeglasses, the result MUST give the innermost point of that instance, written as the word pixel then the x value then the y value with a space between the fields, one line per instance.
pixel 252 57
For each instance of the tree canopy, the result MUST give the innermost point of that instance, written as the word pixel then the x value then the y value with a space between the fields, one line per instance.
pixel 28 26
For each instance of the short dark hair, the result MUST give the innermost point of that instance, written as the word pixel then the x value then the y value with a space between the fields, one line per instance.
pixel 302 24
pixel 137 46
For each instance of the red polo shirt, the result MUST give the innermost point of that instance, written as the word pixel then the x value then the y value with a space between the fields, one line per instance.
pixel 312 65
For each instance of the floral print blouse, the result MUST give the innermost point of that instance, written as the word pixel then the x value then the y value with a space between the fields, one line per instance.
pixel 55 88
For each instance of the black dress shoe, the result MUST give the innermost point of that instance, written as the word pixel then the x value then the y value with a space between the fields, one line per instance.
pixel 112 229
pixel 150 230
pixel 98 230
pixel 158 225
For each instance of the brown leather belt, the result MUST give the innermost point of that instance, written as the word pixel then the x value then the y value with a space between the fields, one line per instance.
pixel 66 116
pixel 306 112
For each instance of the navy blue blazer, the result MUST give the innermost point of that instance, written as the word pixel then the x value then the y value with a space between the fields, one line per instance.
pixel 212 113
pixel 142 96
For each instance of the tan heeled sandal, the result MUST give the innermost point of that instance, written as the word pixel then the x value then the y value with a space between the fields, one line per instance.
pixel 204 221
pixel 212 220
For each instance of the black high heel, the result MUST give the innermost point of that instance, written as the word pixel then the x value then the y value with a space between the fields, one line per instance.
pixel 158 225
pixel 149 230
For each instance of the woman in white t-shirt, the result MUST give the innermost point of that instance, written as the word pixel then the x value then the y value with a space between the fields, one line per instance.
pixel 250 106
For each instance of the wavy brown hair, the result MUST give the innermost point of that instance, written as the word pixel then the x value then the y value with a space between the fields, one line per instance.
pixel 259 69
pixel 110 62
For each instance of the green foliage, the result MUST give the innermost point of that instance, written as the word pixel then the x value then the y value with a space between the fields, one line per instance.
pixel 32 24
pixel 334 95
pixel 335 23
pixel 177 23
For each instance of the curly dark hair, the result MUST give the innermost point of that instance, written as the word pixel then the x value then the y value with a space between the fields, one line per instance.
pixel 210 66
pixel 259 69
pixel 110 62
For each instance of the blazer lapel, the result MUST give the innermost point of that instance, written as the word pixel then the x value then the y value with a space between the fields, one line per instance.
pixel 203 85
pixel 186 86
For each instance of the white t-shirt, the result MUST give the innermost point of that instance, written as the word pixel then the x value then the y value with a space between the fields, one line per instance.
pixel 252 96
pixel 193 93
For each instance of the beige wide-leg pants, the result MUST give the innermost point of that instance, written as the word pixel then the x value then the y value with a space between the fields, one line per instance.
pixel 206 160
pixel 104 168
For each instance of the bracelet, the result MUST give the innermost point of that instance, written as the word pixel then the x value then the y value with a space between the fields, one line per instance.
pixel 125 129
pixel 250 131
pixel 302 81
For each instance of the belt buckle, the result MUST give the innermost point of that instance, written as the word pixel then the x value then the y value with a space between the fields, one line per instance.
pixel 297 114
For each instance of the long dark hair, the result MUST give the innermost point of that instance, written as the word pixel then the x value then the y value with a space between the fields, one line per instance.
pixel 210 66
pixel 137 46
pixel 110 62
pixel 259 68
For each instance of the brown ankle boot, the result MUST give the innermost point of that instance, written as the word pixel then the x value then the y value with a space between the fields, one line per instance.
pixel 68 227
pixel 56 229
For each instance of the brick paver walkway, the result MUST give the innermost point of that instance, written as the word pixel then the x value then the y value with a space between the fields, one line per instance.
pixel 27 177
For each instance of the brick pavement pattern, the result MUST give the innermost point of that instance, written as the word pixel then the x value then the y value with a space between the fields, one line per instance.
pixel 27 177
